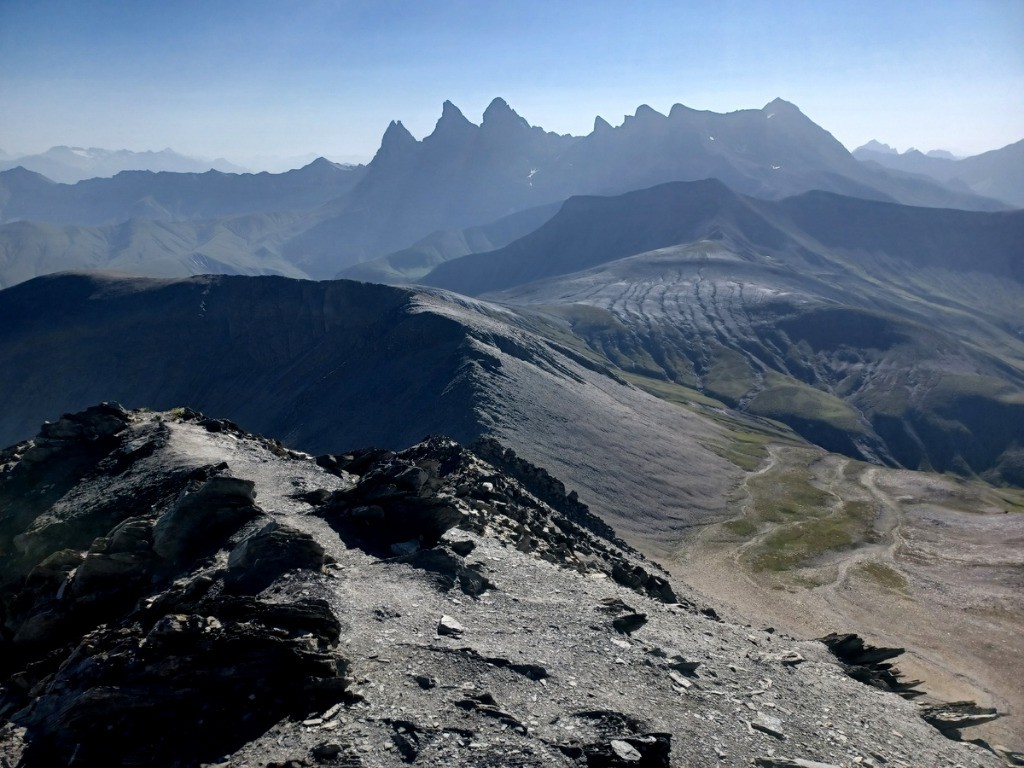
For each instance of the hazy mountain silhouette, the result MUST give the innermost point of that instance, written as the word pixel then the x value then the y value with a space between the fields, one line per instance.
pixel 996 174
pixel 464 175
pixel 170 196
pixel 242 245
pixel 410 264
pixel 71 164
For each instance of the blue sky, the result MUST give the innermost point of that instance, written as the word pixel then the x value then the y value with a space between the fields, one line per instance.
pixel 237 79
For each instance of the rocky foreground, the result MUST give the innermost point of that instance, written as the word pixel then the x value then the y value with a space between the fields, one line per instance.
pixel 176 592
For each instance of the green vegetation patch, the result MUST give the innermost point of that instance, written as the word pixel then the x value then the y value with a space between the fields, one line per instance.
pixel 884 575
pixel 730 377
pixel 786 399
pixel 781 496
pixel 744 527
pixel 670 391
pixel 952 388
pixel 798 544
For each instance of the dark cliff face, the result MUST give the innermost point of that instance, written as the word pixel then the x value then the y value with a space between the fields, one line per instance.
pixel 318 364
pixel 186 593
pixel 290 358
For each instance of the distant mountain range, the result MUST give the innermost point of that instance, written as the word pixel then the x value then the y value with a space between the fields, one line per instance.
pixel 857 323
pixel 165 196
pixel 998 174
pixel 68 165
pixel 461 177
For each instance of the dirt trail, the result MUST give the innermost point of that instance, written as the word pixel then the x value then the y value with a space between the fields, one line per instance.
pixel 939 576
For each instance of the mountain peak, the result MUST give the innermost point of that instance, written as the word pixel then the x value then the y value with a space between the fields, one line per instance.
pixel 778 104
pixel 397 133
pixel 601 125
pixel 877 146
pixel 678 110
pixel 645 112
pixel 499 113
pixel 451 123
pixel 450 112
pixel 396 141
pixel 320 165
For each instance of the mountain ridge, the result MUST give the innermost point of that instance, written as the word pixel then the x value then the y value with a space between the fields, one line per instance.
pixel 72 164
pixel 995 173
pixel 855 322
pixel 313 363
pixel 464 175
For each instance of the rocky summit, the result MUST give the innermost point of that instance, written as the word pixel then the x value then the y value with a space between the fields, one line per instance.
pixel 177 592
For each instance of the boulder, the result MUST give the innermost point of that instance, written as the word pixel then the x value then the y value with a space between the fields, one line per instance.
pixel 203 518
pixel 258 560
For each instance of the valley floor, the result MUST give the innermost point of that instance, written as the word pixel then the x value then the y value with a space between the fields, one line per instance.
pixel 824 544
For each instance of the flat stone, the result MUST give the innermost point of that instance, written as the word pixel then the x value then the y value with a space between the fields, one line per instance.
pixel 450 627
pixel 625 751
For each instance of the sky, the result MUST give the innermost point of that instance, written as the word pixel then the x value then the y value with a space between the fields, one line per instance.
pixel 222 78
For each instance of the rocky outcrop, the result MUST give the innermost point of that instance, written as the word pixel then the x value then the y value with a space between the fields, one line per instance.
pixel 403 503
pixel 463 621
pixel 869 664
pixel 221 676
pixel 260 559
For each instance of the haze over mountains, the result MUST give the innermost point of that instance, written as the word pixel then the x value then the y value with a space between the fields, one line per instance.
pixel 993 174
pixel 461 176
pixel 728 334
pixel 68 165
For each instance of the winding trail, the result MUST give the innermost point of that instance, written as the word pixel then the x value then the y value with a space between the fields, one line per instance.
pixel 923 597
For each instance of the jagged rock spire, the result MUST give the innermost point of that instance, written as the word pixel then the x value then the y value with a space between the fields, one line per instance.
pixel 452 124
pixel 500 115
pixel 396 141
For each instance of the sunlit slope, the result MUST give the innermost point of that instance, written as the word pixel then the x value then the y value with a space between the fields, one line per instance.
pixel 903 348
pixel 327 365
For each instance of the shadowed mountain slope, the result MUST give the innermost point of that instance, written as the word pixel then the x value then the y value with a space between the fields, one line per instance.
pixel 315 363
pixel 593 230
pixel 880 331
